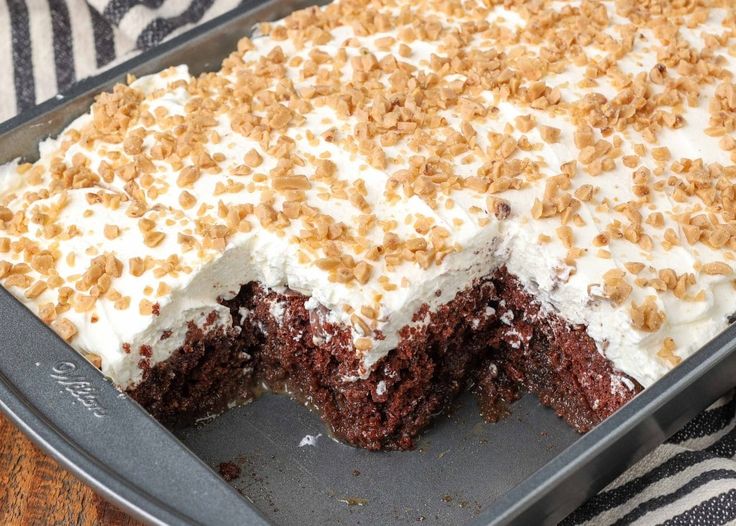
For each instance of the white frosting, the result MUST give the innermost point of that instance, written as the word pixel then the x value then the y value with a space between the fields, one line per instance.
pixel 277 258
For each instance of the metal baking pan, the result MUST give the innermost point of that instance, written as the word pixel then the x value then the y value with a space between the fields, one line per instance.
pixel 528 469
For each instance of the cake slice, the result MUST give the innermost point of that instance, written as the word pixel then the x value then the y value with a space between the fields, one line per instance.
pixel 375 205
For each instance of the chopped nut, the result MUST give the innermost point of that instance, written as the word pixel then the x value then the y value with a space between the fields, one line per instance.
pixel 549 134
pixel 668 352
pixel 64 328
pixel 524 123
pixel 661 154
pixel 187 200
pixel 669 277
pixel 47 312
pixel 362 272
pixel 146 225
pixel 290 182
pixel 360 325
pixel 36 290
pixel 94 359
pixel 564 233
pixel 328 263
pixel 82 302
pixel 137 266
pixel 657 73
pixel 647 317
pixel 188 176
pixel 369 312
pixel 153 238
pixel 145 307
pixel 265 214
pixel 601 239
pixel 325 169
pixel 5 213
pixel 253 159
pixel 18 280
pixel 133 145
pixel 42 263
pixel 111 231
pixel 585 192
pixel 615 286
pixel 717 268
pixel 122 303
pixel 692 233
pixel 584 137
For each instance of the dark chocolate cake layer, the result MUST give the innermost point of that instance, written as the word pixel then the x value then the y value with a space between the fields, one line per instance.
pixel 210 371
pixel 546 356
pixel 491 336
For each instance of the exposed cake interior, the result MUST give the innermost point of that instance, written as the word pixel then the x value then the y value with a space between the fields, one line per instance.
pixel 491 337
pixel 377 203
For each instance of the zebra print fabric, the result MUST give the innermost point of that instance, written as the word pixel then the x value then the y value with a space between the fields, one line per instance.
pixel 47 45
pixel 690 480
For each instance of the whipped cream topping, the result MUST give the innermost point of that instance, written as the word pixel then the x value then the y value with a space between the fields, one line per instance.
pixel 377 156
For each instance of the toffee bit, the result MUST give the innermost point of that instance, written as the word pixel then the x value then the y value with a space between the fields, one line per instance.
pixel 153 238
pixel 667 352
pixel 647 317
pixel 94 359
pixel 717 268
pixel 64 328
pixel 549 134
pixel 111 231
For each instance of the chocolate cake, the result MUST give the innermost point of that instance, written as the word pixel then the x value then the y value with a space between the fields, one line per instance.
pixel 491 336
pixel 378 204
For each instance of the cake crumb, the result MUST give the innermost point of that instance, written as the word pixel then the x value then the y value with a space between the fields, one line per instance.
pixel 228 471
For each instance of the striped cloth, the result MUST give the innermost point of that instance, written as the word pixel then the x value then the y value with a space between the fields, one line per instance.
pixel 47 45
pixel 690 480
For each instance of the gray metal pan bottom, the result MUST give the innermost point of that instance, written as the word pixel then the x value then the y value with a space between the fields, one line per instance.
pixel 528 469
pixel 295 474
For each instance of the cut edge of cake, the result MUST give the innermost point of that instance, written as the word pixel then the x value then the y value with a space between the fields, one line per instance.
pixel 491 338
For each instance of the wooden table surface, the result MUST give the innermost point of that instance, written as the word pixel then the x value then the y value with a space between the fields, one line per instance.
pixel 35 490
